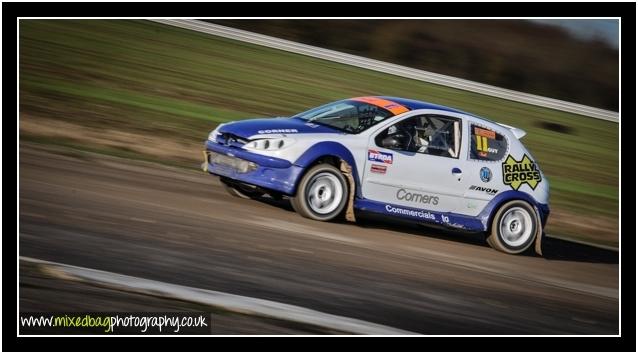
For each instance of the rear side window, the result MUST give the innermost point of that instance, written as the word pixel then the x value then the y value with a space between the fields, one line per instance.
pixel 486 144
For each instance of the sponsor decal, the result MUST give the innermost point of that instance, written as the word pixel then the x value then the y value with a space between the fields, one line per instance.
pixel 312 125
pixel 446 219
pixel 486 174
pixel 483 137
pixel 402 194
pixel 416 213
pixel 516 173
pixel 276 131
pixel 484 133
pixel 391 106
pixel 483 148
pixel 380 156
pixel 378 169
pixel 491 191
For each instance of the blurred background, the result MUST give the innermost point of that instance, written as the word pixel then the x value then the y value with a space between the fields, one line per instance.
pixel 148 91
pixel 571 60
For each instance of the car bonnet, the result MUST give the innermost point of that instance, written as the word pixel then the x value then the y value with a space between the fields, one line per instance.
pixel 251 127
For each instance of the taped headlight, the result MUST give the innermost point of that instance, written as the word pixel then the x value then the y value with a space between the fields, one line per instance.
pixel 269 144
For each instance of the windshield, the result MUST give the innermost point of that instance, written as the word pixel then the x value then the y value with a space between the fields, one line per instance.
pixel 349 116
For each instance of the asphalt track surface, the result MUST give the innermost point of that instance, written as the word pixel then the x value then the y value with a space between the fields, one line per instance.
pixel 180 226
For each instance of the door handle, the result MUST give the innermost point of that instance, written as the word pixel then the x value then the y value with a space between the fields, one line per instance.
pixel 457 173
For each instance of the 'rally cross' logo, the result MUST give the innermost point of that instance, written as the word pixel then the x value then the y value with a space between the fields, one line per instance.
pixel 517 173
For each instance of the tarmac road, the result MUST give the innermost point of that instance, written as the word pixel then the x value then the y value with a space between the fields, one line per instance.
pixel 180 226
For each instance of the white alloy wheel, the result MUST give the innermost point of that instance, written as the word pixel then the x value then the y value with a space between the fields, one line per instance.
pixel 515 226
pixel 322 193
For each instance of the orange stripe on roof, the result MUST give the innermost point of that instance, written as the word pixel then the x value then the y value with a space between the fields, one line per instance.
pixel 393 107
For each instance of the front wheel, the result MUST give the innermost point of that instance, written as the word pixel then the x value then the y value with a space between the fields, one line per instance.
pixel 514 228
pixel 322 193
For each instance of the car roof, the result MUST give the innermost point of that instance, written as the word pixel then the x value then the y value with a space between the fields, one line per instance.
pixel 414 104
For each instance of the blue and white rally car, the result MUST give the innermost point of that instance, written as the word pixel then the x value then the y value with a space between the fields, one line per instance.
pixel 399 157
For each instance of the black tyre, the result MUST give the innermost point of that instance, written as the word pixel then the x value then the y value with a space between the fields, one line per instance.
pixel 514 228
pixel 322 193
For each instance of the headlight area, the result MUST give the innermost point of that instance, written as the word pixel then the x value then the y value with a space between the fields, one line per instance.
pixel 212 136
pixel 237 164
pixel 270 144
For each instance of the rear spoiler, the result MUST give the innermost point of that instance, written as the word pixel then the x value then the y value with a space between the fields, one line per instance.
pixel 518 133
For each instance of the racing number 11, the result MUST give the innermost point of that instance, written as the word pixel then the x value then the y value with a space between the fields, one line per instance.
pixel 481 143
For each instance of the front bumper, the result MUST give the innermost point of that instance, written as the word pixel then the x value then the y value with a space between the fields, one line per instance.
pixel 264 171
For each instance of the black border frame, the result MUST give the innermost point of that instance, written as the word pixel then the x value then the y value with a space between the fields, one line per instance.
pixel 627 13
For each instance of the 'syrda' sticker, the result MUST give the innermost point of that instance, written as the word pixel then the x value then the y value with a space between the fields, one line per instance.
pixel 380 156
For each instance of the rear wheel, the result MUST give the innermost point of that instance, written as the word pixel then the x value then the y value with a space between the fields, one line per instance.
pixel 514 228
pixel 322 193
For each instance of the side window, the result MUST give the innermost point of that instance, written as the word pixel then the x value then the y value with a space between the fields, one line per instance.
pixel 424 134
pixel 486 144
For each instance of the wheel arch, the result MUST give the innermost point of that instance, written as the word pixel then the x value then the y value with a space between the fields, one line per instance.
pixel 329 152
pixel 488 213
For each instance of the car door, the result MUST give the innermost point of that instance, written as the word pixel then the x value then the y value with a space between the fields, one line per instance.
pixel 416 162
